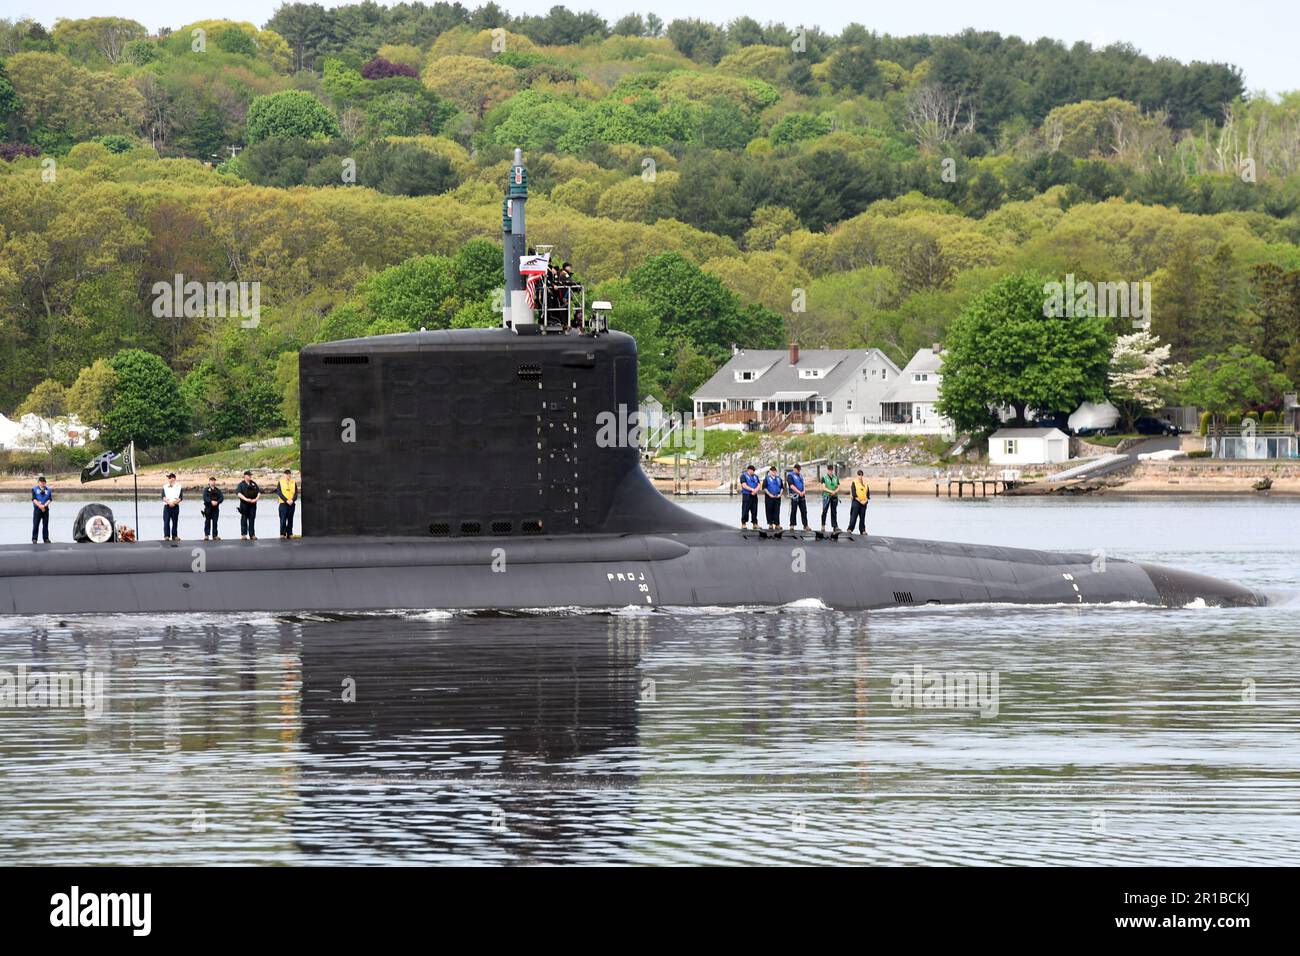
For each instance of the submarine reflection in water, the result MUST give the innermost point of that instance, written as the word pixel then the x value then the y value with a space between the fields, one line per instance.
pixel 433 738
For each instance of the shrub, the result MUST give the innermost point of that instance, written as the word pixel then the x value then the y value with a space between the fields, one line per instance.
pixel 380 69
pixel 11 151
pixel 289 114
pixel 1206 418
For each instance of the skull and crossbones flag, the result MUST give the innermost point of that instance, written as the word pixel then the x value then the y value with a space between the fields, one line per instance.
pixel 111 464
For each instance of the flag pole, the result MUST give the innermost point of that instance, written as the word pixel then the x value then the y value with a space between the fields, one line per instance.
pixel 135 480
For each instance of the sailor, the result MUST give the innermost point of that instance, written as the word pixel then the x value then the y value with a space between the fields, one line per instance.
pixel 569 284
pixel 749 497
pixel 172 493
pixel 212 498
pixel 552 296
pixel 831 498
pixel 286 490
pixel 41 498
pixel 772 488
pixel 248 493
pixel 798 499
pixel 859 495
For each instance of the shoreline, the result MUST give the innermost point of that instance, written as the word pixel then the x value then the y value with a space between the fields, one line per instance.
pixel 1148 479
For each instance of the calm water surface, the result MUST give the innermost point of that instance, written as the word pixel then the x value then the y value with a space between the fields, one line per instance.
pixel 1121 734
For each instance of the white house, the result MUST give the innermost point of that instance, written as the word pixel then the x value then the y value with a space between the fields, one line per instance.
pixel 1028 446
pixel 839 389
pixel 909 406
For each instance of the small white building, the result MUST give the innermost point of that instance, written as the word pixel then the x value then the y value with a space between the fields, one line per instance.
pixel 1028 446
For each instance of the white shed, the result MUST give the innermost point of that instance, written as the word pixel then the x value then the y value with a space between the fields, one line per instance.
pixel 1028 446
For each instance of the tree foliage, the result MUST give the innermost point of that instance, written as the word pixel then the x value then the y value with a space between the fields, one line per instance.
pixel 1003 351
pixel 147 404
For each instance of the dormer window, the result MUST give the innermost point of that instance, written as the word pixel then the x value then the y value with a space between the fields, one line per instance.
pixel 810 372
pixel 746 375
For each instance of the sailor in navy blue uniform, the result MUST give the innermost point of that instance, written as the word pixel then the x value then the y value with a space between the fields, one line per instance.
pixel 798 503
pixel 772 488
pixel 749 497
pixel 41 498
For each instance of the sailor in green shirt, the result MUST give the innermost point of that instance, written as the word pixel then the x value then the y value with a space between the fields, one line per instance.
pixel 830 498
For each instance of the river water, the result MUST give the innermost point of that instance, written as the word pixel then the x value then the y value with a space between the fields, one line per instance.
pixel 1101 735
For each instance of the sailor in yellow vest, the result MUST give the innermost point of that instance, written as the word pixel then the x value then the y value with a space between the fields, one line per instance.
pixel 287 491
pixel 859 495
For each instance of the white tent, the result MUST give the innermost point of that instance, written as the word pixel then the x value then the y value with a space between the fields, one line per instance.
pixel 1094 415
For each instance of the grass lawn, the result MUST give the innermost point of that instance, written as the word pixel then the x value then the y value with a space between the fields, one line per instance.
pixel 232 461
pixel 1110 441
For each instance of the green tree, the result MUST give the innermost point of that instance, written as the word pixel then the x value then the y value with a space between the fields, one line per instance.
pixel 1003 351
pixel 289 114
pixel 404 169
pixel 1230 383
pixel 91 395
pixel 690 371
pixel 286 383
pixel 476 267
pixel 49 399
pixel 854 68
pixel 10 105
pixel 418 293
pixel 693 305
pixel 147 403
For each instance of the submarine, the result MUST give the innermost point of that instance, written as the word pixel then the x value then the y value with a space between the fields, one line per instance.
pixel 472 468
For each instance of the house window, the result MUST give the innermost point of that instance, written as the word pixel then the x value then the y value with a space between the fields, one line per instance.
pixel 745 376
pixel 848 405
pixel 920 377
pixel 810 373
pixel 1013 446
pixel 884 372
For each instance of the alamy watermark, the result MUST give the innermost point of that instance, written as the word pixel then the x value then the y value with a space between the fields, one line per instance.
pixel 208 300
pixel 975 691
pixel 672 432
pixel 1111 300
pixel 53 690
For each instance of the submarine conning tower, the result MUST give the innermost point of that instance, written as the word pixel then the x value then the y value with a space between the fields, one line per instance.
pixel 479 432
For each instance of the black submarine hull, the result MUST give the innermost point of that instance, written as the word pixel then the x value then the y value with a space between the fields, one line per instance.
pixel 708 568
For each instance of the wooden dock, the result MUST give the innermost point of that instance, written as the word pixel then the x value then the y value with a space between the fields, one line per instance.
pixel 982 485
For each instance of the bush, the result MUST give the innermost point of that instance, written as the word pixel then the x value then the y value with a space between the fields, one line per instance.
pixel 1206 418
pixel 380 69
pixel 1270 418
pixel 11 151
pixel 289 114
pixel 115 142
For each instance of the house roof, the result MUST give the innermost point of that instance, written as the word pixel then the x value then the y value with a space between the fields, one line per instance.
pixel 1028 433
pixel 779 376
pixel 905 390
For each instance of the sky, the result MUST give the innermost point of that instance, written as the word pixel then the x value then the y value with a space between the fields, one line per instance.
pixel 1257 35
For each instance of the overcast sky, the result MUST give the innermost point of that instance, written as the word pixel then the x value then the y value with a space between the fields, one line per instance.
pixel 1259 36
